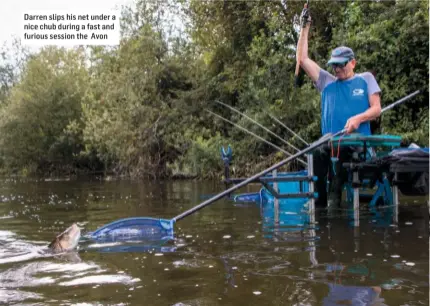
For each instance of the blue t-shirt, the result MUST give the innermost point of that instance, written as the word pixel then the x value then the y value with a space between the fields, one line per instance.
pixel 340 100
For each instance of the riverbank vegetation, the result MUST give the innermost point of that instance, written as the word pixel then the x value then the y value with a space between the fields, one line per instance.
pixel 139 109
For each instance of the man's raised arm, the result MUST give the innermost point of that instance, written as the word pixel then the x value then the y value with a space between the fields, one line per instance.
pixel 309 66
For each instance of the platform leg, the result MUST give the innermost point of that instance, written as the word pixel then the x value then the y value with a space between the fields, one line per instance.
pixel 356 239
pixel 348 193
pixel 395 189
pixel 379 193
pixel 312 253
pixel 388 201
pixel 311 211
pixel 276 202
pixel 356 206
pixel 311 208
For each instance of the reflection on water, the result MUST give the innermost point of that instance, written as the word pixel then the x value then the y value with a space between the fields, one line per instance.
pixel 225 254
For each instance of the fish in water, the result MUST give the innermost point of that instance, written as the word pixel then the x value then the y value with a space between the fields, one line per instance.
pixel 67 240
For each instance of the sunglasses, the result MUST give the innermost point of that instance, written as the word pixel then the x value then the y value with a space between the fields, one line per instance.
pixel 334 66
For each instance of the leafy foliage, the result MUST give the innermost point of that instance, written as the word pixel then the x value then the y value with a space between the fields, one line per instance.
pixel 42 108
pixel 140 108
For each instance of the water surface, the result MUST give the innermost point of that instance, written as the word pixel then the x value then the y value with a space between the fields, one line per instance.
pixel 225 254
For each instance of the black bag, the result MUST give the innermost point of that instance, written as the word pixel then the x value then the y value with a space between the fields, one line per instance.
pixel 412 168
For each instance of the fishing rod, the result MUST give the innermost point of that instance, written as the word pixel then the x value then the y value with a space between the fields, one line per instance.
pixel 255 135
pixel 252 120
pixel 286 127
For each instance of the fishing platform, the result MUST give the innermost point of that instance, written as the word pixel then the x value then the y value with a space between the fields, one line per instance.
pixel 380 173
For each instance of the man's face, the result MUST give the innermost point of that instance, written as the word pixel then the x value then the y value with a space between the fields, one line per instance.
pixel 344 71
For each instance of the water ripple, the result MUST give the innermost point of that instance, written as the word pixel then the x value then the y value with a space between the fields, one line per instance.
pixel 101 279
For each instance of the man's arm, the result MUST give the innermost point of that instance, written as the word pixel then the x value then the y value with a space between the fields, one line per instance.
pixel 374 110
pixel 309 66
pixel 371 113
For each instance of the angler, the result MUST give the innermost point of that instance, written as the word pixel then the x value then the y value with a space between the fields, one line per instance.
pixel 349 101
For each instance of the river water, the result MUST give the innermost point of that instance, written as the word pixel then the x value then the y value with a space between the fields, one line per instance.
pixel 225 254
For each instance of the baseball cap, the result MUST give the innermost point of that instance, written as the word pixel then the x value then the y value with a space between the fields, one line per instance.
pixel 341 55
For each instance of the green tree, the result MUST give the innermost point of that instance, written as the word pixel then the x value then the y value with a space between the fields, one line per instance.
pixel 34 124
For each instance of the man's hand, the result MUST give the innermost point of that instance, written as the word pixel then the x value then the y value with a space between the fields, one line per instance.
pixel 305 16
pixel 352 124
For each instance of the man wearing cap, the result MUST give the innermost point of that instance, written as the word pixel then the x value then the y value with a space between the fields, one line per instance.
pixel 349 101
